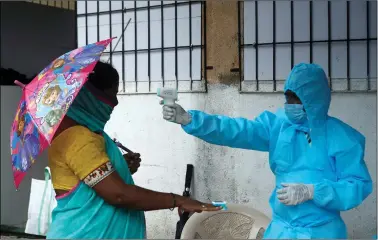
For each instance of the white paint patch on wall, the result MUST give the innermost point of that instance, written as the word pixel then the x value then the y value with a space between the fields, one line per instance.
pixel 221 173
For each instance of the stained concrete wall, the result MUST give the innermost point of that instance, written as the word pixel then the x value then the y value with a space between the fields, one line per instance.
pixel 32 35
pixel 222 41
pixel 222 173
pixel 238 176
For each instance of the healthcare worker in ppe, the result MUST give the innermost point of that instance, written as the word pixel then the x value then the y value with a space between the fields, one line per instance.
pixel 317 160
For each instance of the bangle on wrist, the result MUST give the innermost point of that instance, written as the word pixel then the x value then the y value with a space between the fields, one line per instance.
pixel 174 202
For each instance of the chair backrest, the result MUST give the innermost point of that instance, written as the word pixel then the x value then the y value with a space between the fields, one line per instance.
pixel 238 222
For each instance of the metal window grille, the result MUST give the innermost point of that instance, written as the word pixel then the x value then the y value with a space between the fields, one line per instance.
pixel 163 44
pixel 341 36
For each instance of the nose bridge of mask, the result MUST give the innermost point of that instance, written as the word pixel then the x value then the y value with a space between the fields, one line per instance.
pixel 295 113
pixel 295 106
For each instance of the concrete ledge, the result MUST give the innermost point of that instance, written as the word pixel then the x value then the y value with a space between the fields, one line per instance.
pixel 16 232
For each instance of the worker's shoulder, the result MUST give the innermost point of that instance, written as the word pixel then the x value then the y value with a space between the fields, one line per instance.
pixel 273 118
pixel 336 128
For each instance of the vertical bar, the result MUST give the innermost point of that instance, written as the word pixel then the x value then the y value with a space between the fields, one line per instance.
pixel 149 45
pixel 205 42
pixel 86 22
pixel 311 32
pixel 239 45
pixel 348 44
pixel 135 47
pixel 123 49
pixel 257 46
pixel 368 45
pixel 76 29
pixel 292 33
pixel 329 44
pixel 98 20
pixel 72 5
pixel 274 47
pixel 1 77
pixel 190 46
pixel 203 68
pixel 176 60
pixel 110 32
pixel 162 41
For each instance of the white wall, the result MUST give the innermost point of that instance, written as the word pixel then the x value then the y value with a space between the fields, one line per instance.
pixel 32 35
pixel 223 173
pixel 243 176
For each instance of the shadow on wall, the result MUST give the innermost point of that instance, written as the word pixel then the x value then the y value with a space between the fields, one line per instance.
pixel 40 34
pixel 8 76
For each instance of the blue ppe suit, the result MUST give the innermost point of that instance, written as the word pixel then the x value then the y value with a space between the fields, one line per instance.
pixel 333 162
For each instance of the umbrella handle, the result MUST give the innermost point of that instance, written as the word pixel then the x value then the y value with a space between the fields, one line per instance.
pixel 20 84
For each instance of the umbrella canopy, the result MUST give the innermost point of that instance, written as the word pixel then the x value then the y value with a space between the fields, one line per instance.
pixel 44 103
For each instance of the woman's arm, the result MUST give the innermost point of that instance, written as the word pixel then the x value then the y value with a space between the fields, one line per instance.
pixel 115 192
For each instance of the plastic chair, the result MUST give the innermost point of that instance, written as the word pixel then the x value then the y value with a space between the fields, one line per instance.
pixel 238 222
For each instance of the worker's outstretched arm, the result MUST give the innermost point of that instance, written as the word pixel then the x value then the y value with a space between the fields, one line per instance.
pixel 354 182
pixel 222 130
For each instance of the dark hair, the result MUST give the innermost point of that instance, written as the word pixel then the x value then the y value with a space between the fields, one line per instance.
pixel 104 76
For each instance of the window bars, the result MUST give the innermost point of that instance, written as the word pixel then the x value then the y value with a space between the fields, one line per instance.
pixel 340 36
pixel 163 45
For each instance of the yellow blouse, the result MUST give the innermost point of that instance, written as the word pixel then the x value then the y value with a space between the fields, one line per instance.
pixel 78 154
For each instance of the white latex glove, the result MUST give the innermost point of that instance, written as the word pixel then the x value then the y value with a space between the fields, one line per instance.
pixel 295 193
pixel 176 114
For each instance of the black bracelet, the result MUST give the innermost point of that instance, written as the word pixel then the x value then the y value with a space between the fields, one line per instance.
pixel 174 202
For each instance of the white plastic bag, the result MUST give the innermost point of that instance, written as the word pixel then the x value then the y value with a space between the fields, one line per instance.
pixel 41 203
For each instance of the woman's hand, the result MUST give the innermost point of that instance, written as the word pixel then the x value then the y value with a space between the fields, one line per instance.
pixel 133 161
pixel 186 204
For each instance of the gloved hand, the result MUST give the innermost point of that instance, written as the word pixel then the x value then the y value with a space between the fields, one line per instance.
pixel 295 193
pixel 176 114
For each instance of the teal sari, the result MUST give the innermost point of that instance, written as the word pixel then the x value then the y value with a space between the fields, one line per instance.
pixel 82 213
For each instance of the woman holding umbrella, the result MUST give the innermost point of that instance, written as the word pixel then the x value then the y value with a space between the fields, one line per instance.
pixel 95 191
